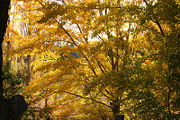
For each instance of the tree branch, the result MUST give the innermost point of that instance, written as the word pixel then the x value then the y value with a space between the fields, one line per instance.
pixel 85 38
pixel 88 98
pixel 73 41
pixel 159 25
pixel 155 21
pixel 145 2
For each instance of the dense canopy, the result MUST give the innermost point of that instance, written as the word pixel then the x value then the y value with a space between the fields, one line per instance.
pixel 93 59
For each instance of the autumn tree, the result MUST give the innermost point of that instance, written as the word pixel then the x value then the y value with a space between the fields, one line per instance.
pixel 161 21
pixel 111 55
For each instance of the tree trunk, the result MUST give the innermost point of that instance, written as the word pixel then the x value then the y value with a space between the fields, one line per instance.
pixel 115 106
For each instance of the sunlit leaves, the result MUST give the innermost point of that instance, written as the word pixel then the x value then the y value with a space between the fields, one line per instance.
pixel 91 54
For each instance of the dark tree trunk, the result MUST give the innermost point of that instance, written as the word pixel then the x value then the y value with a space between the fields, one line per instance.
pixel 116 109
pixel 10 109
pixel 115 106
